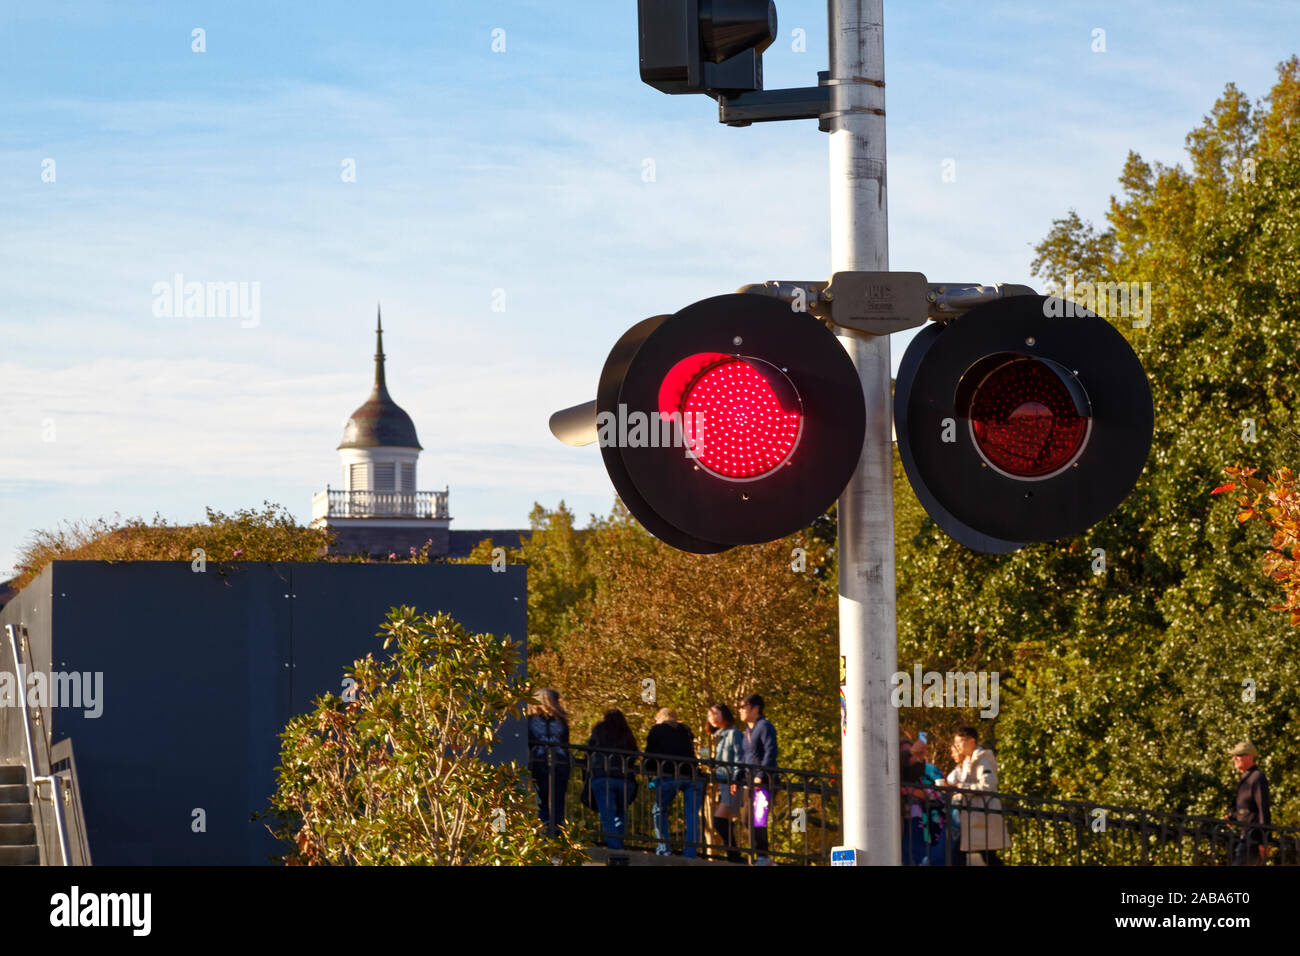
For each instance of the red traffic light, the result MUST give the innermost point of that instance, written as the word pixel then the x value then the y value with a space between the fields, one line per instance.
pixel 1025 420
pixel 1016 423
pixel 734 421
pixel 742 416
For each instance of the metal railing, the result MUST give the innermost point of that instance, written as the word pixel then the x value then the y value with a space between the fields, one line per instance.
pixel 675 801
pixel 64 789
pixel 943 826
pixel 336 503
pixel 1045 831
pixel 63 767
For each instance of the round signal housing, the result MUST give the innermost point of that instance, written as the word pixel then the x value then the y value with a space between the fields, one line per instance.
pixel 1025 419
pixel 758 421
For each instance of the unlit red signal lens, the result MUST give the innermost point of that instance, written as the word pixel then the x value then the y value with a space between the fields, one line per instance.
pixel 741 417
pixel 1025 420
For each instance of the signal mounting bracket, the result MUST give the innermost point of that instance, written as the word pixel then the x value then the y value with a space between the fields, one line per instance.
pixel 768 106
pixel 879 303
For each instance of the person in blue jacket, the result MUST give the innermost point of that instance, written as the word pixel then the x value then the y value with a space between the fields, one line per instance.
pixel 548 756
pixel 760 754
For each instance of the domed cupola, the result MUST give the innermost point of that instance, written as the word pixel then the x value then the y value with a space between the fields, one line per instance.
pixel 380 510
pixel 380 422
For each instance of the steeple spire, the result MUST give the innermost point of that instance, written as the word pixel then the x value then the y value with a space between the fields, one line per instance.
pixel 380 422
pixel 380 384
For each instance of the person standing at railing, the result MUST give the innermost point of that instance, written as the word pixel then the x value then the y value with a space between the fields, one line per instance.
pixel 1251 805
pixel 669 737
pixel 548 748
pixel 934 825
pixel 913 806
pixel 983 828
pixel 761 754
pixel 612 775
pixel 728 751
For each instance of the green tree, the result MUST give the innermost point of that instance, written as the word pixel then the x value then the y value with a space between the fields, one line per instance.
pixel 397 775
pixel 1074 249
pixel 1128 685
pixel 558 577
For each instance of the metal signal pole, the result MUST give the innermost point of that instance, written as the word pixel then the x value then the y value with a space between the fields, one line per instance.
pixel 868 638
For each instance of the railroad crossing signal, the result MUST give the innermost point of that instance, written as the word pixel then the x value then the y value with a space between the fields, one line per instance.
pixel 741 418
pixel 1025 419
pixel 733 421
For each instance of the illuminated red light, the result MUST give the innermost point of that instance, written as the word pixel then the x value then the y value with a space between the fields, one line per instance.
pixel 734 422
pixel 1025 420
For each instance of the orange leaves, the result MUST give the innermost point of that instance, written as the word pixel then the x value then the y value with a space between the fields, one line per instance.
pixel 1277 503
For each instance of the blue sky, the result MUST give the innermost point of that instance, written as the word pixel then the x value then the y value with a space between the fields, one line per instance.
pixel 479 171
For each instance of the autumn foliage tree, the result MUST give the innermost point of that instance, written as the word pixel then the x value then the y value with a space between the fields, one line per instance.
pixel 269 533
pixel 619 619
pixel 1275 502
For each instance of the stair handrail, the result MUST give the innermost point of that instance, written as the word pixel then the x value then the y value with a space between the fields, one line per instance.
pixel 61 755
pixel 54 780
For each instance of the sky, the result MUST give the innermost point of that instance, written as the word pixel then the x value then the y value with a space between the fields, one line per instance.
pixel 482 171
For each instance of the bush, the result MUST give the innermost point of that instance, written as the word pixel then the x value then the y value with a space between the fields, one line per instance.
pixel 395 774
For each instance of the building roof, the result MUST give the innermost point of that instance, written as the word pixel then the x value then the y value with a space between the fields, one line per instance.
pixel 380 422
pixel 461 543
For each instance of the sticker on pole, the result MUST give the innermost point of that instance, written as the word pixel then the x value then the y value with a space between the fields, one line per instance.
pixel 844 856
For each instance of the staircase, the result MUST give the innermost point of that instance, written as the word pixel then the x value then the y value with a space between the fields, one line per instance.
pixel 17 831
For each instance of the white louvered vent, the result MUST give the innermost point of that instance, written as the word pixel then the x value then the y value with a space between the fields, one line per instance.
pixel 357 478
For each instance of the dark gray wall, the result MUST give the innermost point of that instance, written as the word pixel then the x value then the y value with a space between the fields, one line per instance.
pixel 203 670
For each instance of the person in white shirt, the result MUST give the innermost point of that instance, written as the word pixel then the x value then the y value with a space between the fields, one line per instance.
pixel 983 827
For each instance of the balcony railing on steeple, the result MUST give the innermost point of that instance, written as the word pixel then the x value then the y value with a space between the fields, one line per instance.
pixel 336 503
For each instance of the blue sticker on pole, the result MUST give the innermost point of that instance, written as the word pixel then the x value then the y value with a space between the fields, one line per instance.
pixel 844 856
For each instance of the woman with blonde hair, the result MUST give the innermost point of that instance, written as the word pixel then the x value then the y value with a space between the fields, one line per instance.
pixel 548 755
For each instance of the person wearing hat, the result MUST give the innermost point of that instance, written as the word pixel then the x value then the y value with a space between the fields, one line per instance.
pixel 1250 808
